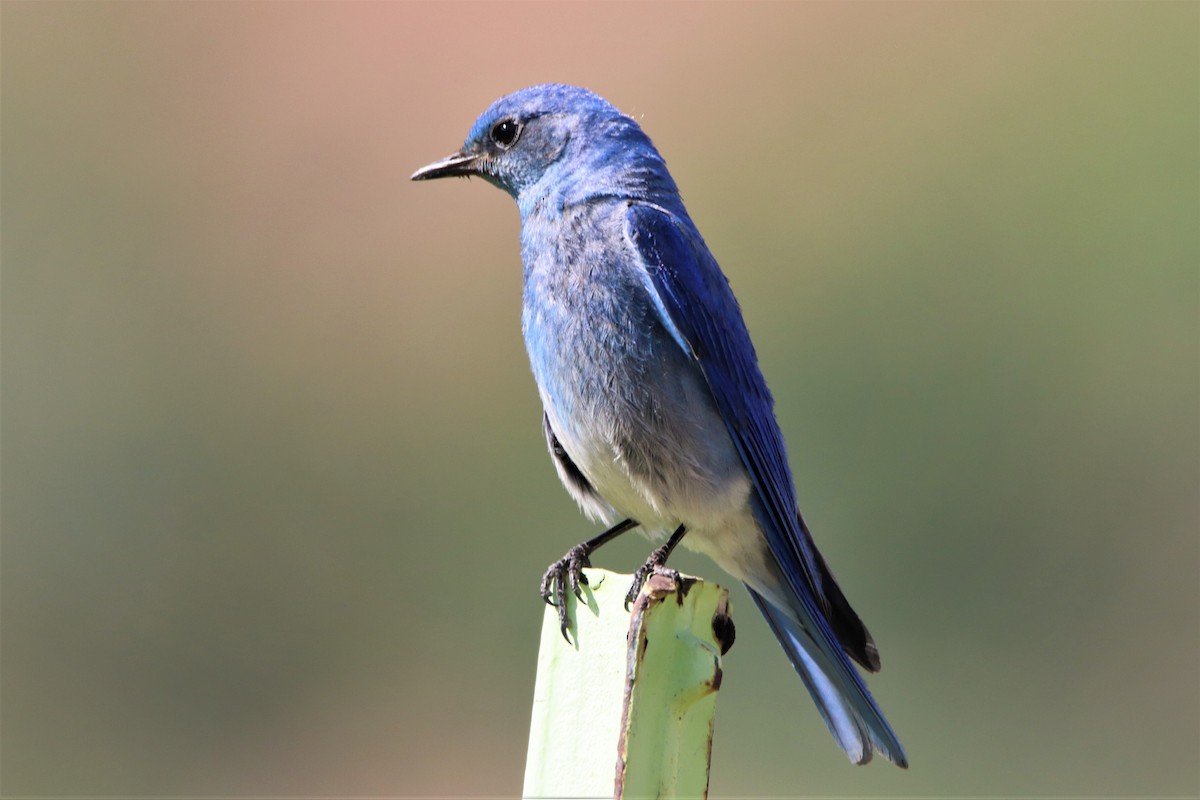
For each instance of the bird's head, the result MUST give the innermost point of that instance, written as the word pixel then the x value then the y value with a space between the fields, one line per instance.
pixel 556 141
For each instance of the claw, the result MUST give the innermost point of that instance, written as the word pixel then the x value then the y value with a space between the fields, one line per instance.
pixel 643 574
pixel 656 564
pixel 544 590
pixel 563 623
pixel 578 579
pixel 567 571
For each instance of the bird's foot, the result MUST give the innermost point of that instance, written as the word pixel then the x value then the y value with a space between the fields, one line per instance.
pixel 655 565
pixel 567 571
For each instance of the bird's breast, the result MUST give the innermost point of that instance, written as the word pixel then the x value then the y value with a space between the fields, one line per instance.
pixel 627 404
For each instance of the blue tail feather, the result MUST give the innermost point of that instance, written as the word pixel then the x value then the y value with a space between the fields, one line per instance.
pixel 839 693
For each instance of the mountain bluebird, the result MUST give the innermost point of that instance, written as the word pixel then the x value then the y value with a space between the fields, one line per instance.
pixel 655 412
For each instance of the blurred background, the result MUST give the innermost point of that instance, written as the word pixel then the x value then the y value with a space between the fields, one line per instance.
pixel 275 495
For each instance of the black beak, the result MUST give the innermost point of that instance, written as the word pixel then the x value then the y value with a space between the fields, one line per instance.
pixel 457 165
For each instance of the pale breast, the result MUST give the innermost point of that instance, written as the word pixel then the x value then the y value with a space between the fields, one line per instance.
pixel 628 406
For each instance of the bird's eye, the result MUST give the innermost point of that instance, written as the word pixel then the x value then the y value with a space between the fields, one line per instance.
pixel 505 132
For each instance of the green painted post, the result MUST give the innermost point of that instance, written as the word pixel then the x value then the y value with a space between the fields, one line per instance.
pixel 626 710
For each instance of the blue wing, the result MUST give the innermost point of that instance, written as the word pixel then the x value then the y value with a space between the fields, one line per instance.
pixel 699 310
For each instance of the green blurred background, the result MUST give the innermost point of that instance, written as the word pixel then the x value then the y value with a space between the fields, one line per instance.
pixel 275 495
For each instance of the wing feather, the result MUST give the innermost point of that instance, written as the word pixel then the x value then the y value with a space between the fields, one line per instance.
pixel 699 310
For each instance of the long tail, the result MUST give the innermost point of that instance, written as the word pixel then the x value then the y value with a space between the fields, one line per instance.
pixel 840 694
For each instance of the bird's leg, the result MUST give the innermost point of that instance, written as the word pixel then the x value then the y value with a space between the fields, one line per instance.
pixel 656 563
pixel 568 570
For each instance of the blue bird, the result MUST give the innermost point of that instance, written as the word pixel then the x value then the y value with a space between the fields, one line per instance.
pixel 655 412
